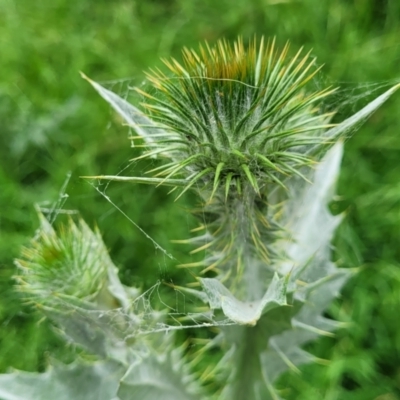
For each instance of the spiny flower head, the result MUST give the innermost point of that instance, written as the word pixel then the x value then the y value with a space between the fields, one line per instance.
pixel 72 262
pixel 236 115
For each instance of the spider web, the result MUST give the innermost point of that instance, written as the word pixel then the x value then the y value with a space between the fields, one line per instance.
pixel 140 313
pixel 140 316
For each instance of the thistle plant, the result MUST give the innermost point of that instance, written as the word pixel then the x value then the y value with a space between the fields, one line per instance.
pixel 246 130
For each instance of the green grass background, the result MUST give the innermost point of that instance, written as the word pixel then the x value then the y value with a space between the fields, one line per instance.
pixel 52 123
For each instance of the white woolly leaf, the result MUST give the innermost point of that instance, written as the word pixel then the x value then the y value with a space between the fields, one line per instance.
pixel 307 216
pixel 77 381
pixel 244 313
pixel 143 125
pixel 158 377
pixel 360 116
pixel 101 332
pixel 277 360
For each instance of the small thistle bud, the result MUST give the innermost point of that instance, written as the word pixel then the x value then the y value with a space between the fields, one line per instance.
pixel 236 117
pixel 73 262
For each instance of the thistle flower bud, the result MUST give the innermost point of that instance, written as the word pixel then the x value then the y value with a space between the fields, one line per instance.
pixel 73 262
pixel 240 125
pixel 236 116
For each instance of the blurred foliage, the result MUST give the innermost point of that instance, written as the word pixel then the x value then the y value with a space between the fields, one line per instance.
pixel 53 123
